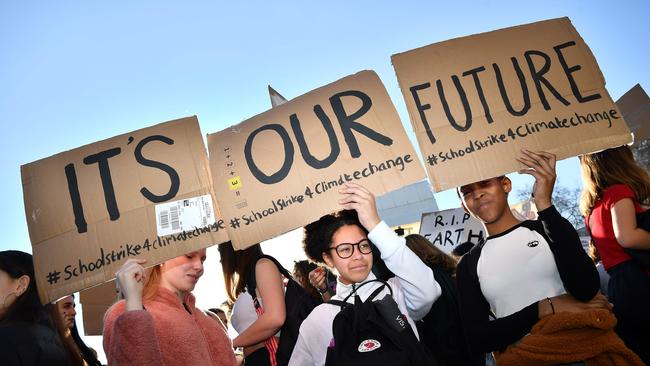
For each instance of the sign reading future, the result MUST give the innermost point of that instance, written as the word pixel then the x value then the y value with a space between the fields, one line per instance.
pixel 475 101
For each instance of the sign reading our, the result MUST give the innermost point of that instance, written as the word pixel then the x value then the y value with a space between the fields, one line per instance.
pixel 282 169
pixel 475 101
pixel 449 228
pixel 145 194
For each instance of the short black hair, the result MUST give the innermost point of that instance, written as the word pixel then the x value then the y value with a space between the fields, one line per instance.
pixel 318 234
pixel 303 267
pixel 462 249
pixel 461 186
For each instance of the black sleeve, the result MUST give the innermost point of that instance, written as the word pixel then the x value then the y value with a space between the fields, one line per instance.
pixel 9 354
pixel 577 271
pixel 482 334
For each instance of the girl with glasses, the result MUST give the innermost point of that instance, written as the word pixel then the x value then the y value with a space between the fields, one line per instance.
pixel 343 242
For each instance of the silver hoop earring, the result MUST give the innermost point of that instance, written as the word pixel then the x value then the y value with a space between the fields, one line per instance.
pixel 4 301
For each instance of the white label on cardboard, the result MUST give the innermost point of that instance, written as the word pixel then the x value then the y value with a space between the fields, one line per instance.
pixel 183 215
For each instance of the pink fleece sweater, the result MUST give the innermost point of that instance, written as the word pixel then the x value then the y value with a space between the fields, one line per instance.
pixel 165 334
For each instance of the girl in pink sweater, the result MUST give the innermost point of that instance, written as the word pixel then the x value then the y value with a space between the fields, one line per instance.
pixel 157 323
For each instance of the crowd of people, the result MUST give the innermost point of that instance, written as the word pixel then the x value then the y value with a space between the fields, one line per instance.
pixel 527 294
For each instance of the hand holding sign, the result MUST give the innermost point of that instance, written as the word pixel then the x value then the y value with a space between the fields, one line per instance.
pixel 357 197
pixel 130 281
pixel 540 165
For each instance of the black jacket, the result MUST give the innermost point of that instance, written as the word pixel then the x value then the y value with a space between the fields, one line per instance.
pixel 441 330
pixel 29 344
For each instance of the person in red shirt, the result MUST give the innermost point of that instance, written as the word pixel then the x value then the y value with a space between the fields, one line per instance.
pixel 615 190
pixel 158 323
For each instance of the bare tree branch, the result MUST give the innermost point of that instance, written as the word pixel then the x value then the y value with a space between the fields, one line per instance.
pixel 565 199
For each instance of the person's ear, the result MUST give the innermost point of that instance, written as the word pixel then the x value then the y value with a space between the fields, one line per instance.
pixel 328 260
pixel 506 183
pixel 23 285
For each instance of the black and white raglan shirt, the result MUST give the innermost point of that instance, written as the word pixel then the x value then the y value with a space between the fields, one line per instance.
pixel 505 276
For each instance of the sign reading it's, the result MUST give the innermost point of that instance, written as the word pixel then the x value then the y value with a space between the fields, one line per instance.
pixel 145 194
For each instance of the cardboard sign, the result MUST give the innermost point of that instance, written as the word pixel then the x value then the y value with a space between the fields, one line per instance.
pixel 449 228
pixel 475 101
pixel 145 194
pixel 635 107
pixel 281 169
pixel 94 304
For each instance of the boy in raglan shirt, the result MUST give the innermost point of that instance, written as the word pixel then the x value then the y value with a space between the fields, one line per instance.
pixel 525 270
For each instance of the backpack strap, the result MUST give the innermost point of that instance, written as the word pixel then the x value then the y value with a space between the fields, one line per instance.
pixel 251 281
pixel 375 293
pixel 378 290
pixel 338 303
pixel 343 303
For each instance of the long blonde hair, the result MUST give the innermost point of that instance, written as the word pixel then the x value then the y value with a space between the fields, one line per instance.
pixel 609 167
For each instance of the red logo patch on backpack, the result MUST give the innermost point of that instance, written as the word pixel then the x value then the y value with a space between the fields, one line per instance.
pixel 369 345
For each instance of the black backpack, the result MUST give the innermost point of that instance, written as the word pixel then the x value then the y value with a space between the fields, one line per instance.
pixel 298 304
pixel 374 333
pixel 441 329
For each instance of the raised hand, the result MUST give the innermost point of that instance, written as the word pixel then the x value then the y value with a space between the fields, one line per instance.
pixel 357 197
pixel 130 281
pixel 541 165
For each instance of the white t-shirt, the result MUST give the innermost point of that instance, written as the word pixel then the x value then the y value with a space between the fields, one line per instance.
pixel 517 268
pixel 243 312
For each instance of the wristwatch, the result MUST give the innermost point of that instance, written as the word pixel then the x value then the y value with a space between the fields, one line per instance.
pixel 323 291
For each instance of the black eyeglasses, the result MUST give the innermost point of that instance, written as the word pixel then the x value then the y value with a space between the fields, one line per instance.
pixel 345 250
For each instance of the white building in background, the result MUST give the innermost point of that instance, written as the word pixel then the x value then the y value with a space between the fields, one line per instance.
pixel 404 207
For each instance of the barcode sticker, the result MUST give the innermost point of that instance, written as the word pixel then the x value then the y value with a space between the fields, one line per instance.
pixel 184 215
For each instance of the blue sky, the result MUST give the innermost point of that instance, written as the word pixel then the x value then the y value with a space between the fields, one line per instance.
pixel 72 73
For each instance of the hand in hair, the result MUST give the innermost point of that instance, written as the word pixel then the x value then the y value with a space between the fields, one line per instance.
pixel 358 198
pixel 541 165
pixel 130 280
